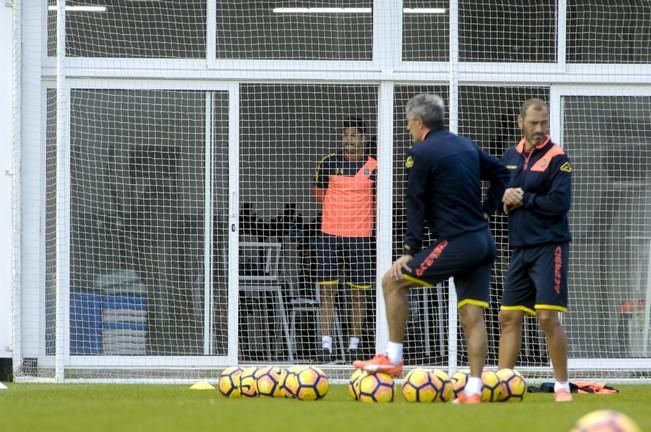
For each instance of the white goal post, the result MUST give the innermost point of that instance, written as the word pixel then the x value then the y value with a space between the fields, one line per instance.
pixel 169 154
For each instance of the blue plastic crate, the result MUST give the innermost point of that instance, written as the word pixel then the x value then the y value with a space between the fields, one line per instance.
pixel 85 323
pixel 130 302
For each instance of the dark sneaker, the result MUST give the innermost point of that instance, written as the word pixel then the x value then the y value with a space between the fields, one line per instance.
pixel 326 357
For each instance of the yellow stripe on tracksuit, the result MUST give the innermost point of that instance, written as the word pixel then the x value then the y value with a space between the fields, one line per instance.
pixel 417 281
pixel 328 282
pixel 521 308
pixel 480 303
pixel 358 286
pixel 551 307
pixel 460 304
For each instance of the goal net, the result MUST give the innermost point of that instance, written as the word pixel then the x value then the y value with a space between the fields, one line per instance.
pixel 204 142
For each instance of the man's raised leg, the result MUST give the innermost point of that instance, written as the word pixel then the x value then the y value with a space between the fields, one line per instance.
pixel 397 312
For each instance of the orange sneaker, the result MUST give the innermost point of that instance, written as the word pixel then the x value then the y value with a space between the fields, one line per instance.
pixel 562 396
pixel 379 363
pixel 464 399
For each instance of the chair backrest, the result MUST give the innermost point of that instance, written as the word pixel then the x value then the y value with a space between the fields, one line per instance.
pixel 259 261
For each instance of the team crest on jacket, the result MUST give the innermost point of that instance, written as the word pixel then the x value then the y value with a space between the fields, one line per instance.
pixel 409 162
pixel 566 167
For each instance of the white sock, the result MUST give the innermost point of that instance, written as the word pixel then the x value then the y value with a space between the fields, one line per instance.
pixel 354 343
pixel 326 342
pixel 562 385
pixel 394 352
pixel 473 386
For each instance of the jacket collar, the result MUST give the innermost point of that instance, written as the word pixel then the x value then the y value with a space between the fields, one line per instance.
pixel 429 132
pixel 520 147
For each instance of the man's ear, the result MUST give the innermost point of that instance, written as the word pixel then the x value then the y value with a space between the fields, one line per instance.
pixel 520 121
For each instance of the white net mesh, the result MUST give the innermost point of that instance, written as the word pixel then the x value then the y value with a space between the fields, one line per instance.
pixel 157 199
pixel 608 32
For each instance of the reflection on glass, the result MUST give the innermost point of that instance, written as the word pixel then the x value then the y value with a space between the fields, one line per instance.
pixel 320 31
pixel 507 31
pixel 608 32
pixel 608 140
pixel 132 29
pixel 425 30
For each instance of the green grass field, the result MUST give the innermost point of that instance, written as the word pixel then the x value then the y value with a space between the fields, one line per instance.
pixel 161 408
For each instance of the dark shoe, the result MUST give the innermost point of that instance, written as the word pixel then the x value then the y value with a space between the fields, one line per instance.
pixel 352 355
pixel 326 357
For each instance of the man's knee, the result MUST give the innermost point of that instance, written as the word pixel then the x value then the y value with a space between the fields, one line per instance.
pixel 548 320
pixel 510 318
pixel 471 315
pixel 391 285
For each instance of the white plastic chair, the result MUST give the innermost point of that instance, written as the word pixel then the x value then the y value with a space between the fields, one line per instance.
pixel 261 276
pixel 301 303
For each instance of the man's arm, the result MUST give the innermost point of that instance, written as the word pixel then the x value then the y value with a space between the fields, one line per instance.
pixel 321 180
pixel 319 194
pixel 558 199
pixel 496 173
pixel 417 175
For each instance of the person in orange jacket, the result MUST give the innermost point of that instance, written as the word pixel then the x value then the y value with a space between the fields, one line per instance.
pixel 345 186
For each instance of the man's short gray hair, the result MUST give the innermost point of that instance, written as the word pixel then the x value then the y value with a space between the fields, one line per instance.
pixel 430 108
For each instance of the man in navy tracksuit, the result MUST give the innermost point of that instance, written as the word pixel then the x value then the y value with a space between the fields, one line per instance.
pixel 443 194
pixel 537 201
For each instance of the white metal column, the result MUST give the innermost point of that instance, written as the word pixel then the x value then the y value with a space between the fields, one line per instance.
pixel 453 113
pixel 387 52
pixel 208 228
pixel 233 219
pixel 63 202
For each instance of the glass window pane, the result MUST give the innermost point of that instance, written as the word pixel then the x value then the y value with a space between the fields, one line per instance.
pixel 425 30
pixel 507 31
pixel 607 138
pixel 286 130
pixel 132 29
pixel 602 31
pixel 307 30
pixel 137 214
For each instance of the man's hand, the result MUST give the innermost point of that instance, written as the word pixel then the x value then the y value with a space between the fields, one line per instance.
pixel 512 199
pixel 399 265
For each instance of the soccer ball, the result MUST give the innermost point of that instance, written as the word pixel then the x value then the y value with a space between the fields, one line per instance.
pixel 376 387
pixel 605 421
pixel 353 384
pixel 229 382
pixel 289 385
pixel 492 389
pixel 309 383
pixel 248 387
pixel 269 381
pixel 515 387
pixel 458 380
pixel 418 386
pixel 441 381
